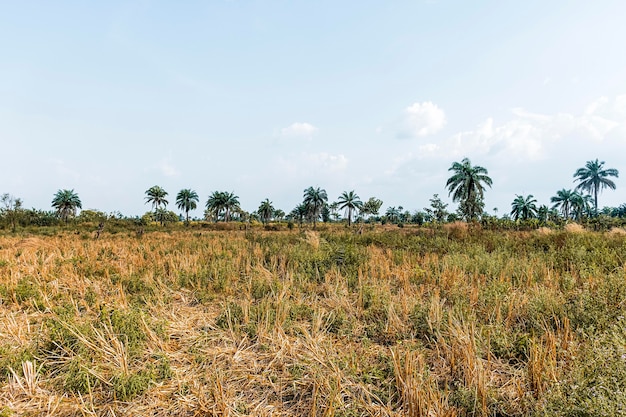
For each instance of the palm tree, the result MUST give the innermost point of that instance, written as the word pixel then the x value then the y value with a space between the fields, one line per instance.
pixel 187 200
pixel 314 200
pixel 299 212
pixel 593 178
pixel 524 208
pixel 349 201
pixel 563 200
pixel 215 204
pixel 266 211
pixel 222 201
pixel 582 205
pixel 66 202
pixel 156 196
pixel 393 214
pixel 467 185
pixel 231 204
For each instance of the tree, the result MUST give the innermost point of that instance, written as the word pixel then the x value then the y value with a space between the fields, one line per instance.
pixel 222 201
pixel 582 206
pixel 371 207
pixel 437 210
pixel 314 200
pixel 593 178
pixel 299 213
pixel 524 208
pixel 563 200
pixel 266 211
pixel 467 186
pixel 349 201
pixel 156 196
pixel 393 214
pixel 12 208
pixel 66 202
pixel 187 200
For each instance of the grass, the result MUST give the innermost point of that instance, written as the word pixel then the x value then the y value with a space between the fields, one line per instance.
pixel 454 321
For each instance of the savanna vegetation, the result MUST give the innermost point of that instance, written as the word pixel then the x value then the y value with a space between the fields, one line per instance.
pixel 300 313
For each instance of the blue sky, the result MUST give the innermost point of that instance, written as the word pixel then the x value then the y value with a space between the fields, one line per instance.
pixel 267 98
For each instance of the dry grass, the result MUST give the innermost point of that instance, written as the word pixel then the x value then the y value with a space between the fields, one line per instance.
pixel 234 323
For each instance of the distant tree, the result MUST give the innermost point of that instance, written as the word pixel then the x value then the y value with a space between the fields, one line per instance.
pixel 371 207
pixel 299 213
pixel 563 200
pixel 393 214
pixel 187 200
pixel 582 206
pixel 467 186
pixel 66 202
pixel 437 210
pixel 593 178
pixel 12 209
pixel 155 195
pixel 315 199
pixel 349 201
pixel 543 212
pixel 222 203
pixel 279 214
pixel 265 211
pixel 524 208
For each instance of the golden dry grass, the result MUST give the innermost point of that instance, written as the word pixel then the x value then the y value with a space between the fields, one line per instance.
pixel 258 323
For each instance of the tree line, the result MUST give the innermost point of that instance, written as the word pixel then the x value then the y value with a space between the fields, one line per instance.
pixel 466 185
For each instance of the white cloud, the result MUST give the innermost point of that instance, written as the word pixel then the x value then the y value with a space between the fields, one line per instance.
pixel 299 129
pixel 422 119
pixel 167 169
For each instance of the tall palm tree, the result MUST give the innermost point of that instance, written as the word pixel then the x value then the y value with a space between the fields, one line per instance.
pixel 524 208
pixel 593 178
pixel 156 196
pixel 393 214
pixel 222 201
pixel 349 201
pixel 467 186
pixel 266 211
pixel 582 205
pixel 231 204
pixel 314 200
pixel 66 202
pixel 563 200
pixel 187 200
pixel 299 212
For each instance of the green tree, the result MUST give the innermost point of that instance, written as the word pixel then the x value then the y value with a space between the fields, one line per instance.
pixel 315 199
pixel 266 211
pixel 187 200
pixel 563 200
pixel 155 195
pixel 371 207
pixel 349 201
pixel 593 178
pixel 582 206
pixel 222 203
pixel 66 202
pixel 12 209
pixel 467 186
pixel 524 208
pixel 299 212
pixel 393 214
pixel 437 210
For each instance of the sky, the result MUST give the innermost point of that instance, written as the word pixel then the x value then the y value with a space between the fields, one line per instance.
pixel 265 98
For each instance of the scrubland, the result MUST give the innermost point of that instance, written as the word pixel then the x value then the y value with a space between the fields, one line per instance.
pixel 449 321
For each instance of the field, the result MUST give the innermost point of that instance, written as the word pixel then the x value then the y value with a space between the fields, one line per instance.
pixel 450 321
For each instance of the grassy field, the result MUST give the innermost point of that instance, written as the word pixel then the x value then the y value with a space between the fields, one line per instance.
pixel 451 321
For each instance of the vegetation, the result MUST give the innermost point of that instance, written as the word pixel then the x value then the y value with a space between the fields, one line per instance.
pixel 593 178
pixel 66 202
pixel 467 186
pixel 187 200
pixel 315 200
pixel 448 320
pixel 349 201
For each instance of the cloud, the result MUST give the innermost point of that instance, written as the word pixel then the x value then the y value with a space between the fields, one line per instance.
pixel 313 165
pixel 167 169
pixel 299 129
pixel 422 119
